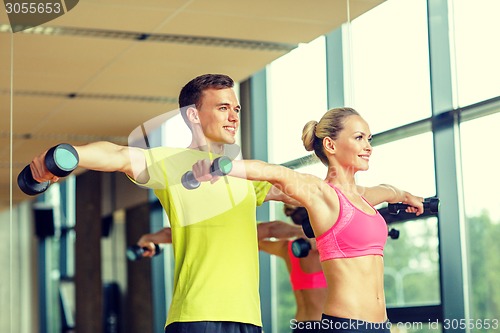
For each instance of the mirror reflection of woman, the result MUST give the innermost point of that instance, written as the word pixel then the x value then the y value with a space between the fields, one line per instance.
pixel 306 276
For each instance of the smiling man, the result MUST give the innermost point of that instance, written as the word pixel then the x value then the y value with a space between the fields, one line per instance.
pixel 211 110
pixel 214 234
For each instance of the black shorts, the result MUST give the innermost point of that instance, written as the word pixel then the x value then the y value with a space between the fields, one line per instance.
pixel 212 327
pixel 309 326
pixel 345 325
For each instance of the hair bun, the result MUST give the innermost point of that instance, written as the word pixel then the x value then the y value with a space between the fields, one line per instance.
pixel 309 135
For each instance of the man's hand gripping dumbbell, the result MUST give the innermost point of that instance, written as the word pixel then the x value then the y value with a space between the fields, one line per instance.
pixel 220 166
pixel 59 160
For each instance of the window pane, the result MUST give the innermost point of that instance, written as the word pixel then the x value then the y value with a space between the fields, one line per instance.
pixel 476 28
pixel 176 133
pixel 407 164
pixel 481 184
pixel 412 264
pixel 297 86
pixel 478 140
pixel 390 64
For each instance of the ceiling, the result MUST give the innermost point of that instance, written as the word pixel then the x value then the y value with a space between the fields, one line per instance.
pixel 106 66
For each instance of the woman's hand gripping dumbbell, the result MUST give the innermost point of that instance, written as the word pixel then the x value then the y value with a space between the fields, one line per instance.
pixel 220 166
pixel 431 206
pixel 60 160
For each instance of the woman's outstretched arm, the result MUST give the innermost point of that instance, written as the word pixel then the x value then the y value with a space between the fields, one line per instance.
pixel 303 188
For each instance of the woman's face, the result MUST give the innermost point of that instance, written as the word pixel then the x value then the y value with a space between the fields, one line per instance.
pixel 352 146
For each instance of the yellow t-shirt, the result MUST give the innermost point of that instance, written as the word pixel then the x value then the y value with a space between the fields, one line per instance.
pixel 214 237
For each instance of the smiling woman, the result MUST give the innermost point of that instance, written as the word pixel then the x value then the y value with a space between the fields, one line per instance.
pixel 350 232
pixel 356 138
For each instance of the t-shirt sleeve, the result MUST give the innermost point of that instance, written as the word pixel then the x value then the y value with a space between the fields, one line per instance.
pixel 261 189
pixel 157 178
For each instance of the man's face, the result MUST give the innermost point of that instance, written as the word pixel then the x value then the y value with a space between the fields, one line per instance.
pixel 219 115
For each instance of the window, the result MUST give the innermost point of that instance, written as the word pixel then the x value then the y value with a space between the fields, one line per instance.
pixel 476 28
pixel 296 94
pixel 390 64
pixel 478 140
pixel 412 264
pixel 407 164
pixel 176 133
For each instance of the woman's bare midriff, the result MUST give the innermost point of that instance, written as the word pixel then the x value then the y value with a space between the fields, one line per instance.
pixel 310 303
pixel 356 288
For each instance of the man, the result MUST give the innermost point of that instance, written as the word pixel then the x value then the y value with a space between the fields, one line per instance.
pixel 213 232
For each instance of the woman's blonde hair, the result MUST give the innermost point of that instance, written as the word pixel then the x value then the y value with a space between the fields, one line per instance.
pixel 329 125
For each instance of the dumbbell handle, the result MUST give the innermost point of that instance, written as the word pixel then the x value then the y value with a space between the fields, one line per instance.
pixel 220 166
pixel 135 252
pixel 308 230
pixel 431 205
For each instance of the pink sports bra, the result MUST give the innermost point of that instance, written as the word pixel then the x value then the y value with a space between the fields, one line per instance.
pixel 355 233
pixel 302 280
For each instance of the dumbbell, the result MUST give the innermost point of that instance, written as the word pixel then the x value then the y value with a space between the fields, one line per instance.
pixel 221 166
pixel 60 160
pixel 393 233
pixel 135 252
pixel 431 205
pixel 308 230
pixel 301 248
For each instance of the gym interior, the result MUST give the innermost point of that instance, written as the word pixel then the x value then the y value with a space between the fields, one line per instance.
pixel 423 73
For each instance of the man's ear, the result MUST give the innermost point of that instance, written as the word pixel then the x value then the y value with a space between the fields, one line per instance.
pixel 329 145
pixel 192 115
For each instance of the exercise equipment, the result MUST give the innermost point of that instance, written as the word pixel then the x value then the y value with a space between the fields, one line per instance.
pixel 221 166
pixel 135 252
pixel 301 247
pixel 393 233
pixel 300 217
pixel 431 205
pixel 60 160
pixel 308 230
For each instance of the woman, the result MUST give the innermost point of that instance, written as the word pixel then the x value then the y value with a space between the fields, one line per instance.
pixel 306 276
pixel 350 233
